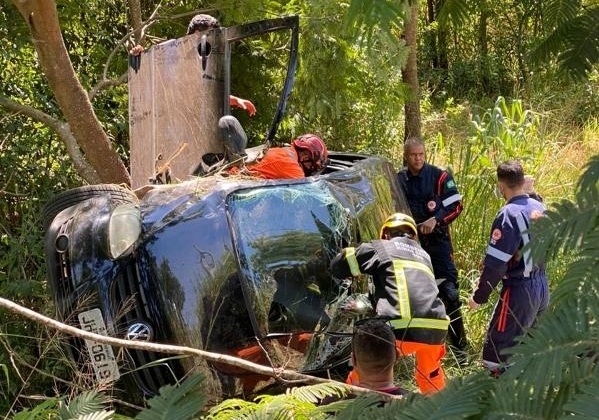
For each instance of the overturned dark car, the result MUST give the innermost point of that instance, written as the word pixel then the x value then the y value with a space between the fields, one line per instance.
pixel 222 263
pixel 235 266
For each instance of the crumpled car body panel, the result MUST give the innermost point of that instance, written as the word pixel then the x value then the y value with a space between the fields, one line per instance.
pixel 230 265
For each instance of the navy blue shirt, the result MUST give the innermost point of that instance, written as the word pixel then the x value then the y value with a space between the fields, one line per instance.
pixel 504 258
pixel 431 193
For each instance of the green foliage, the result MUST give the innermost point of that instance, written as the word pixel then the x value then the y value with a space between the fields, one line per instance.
pixel 505 131
pixel 572 37
pixel 88 405
pixel 299 403
pixel 367 17
pixel 45 410
pixel 180 402
pixel 350 90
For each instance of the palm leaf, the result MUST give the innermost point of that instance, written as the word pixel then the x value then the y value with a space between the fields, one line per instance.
pixel 582 50
pixel 456 13
pixel 178 402
pixel 573 38
pixel 557 12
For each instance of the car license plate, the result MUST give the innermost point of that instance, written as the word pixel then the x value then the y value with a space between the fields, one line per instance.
pixel 101 355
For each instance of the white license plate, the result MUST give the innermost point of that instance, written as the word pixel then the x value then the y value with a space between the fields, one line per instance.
pixel 101 355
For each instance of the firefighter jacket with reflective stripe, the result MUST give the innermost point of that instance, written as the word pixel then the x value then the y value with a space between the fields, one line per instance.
pixel 505 259
pixel 432 193
pixel 405 290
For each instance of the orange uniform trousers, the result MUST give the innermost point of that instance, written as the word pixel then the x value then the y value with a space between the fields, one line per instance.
pixel 428 372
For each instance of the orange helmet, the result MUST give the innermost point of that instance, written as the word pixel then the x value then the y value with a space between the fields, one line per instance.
pixel 318 153
pixel 397 220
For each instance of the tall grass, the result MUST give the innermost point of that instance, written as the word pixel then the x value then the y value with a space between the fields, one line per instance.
pixel 473 142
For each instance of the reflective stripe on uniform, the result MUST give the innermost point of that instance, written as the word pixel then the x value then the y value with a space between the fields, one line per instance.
pixel 500 255
pixel 435 324
pixel 352 261
pixel 452 199
pixel 525 239
pixel 403 297
pixel 417 266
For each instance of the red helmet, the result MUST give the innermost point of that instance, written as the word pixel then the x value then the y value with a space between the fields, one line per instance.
pixel 318 154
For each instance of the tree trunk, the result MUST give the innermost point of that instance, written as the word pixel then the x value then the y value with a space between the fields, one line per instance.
pixel 410 76
pixel 441 40
pixel 483 51
pixel 42 18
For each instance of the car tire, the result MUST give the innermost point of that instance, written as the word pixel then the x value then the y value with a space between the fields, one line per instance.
pixel 66 199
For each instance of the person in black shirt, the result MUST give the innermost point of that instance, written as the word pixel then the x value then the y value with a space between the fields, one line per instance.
pixel 435 203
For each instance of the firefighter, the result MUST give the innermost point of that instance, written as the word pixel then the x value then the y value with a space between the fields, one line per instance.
pixel 405 293
pixel 306 156
pixel 435 203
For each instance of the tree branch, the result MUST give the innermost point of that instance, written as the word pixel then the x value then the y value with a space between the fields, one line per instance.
pixel 84 169
pixel 42 18
pixel 285 375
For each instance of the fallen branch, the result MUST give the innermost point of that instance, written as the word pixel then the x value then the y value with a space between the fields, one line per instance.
pixel 161 348
pixel 285 375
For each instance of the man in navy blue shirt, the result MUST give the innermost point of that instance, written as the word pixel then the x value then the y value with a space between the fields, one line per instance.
pixel 524 292
pixel 435 202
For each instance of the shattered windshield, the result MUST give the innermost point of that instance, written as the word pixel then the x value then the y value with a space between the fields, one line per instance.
pixel 285 236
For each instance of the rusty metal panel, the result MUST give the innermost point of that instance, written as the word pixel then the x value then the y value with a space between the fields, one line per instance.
pixel 176 97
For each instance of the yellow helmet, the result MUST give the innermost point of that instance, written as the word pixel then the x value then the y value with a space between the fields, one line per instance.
pixel 397 220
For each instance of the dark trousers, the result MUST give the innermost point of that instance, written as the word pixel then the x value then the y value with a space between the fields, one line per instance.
pixel 519 305
pixel 441 253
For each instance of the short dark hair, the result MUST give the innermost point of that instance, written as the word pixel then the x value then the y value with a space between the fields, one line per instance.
pixel 202 22
pixel 511 173
pixel 373 345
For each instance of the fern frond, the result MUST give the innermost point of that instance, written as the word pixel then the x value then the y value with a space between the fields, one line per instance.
pixel 554 361
pixel 98 415
pixel 317 392
pixel 182 401
pixel 233 408
pixel 284 407
pixel 570 223
pixel 83 404
pixel 357 407
pixel 584 405
pixel 461 398
pixel 590 177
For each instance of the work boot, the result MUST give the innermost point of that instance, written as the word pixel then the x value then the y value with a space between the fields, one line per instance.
pixel 233 135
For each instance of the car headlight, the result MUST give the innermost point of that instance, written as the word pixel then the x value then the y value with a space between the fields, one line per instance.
pixel 124 228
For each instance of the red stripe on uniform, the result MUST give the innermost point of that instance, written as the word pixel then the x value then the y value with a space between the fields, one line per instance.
pixel 503 313
pixel 440 183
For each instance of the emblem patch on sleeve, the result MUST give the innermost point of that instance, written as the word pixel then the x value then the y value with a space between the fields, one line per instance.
pixel 496 235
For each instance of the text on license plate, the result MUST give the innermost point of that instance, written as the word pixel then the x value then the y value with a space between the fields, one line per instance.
pixel 101 355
